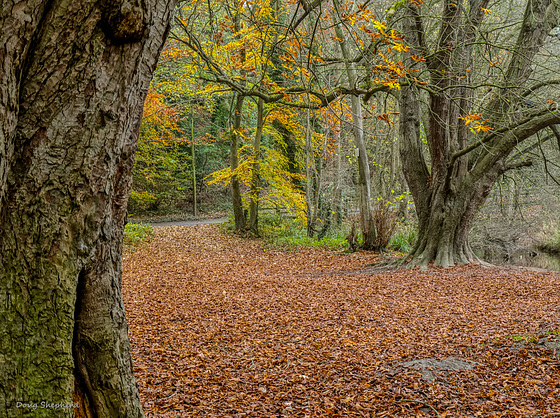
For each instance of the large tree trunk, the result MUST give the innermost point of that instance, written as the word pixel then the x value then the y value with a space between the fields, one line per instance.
pixel 72 83
pixel 451 189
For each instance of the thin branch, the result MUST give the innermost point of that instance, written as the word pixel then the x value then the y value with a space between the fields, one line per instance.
pixel 556 132
pixel 545 161
pixel 530 147
pixel 539 86
pixel 497 133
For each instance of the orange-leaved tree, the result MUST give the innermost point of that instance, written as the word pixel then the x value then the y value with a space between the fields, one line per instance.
pixel 289 54
pixel 159 172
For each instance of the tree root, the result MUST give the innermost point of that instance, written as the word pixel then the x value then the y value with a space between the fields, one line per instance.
pixel 389 264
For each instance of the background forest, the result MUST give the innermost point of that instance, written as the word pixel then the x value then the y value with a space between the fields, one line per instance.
pixel 368 124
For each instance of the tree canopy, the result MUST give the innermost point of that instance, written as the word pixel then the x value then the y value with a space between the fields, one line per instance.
pixel 458 88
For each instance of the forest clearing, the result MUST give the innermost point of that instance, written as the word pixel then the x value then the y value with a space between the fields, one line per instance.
pixel 222 326
pixel 329 134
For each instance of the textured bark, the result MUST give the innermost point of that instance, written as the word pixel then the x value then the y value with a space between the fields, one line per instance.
pixel 451 188
pixel 72 83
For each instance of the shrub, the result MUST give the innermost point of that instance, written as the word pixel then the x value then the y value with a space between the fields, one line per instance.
pixel 385 218
pixel 141 202
pixel 135 234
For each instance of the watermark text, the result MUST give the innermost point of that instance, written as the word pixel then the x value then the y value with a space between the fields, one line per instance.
pixel 47 405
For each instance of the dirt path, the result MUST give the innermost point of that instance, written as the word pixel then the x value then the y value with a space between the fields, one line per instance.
pixel 223 327
pixel 190 223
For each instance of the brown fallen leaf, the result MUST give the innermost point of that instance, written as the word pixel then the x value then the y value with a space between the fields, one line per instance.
pixel 220 327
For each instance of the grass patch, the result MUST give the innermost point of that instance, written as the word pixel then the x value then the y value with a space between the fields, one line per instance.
pixel 526 338
pixel 295 241
pixel 403 238
pixel 288 233
pixel 282 231
pixel 135 234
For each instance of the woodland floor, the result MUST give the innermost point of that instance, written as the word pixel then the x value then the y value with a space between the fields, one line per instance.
pixel 223 327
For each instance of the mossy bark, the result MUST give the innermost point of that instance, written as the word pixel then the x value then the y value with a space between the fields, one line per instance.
pixel 74 77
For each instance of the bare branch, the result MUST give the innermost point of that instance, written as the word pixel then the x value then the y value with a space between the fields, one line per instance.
pixel 556 132
pixel 516 165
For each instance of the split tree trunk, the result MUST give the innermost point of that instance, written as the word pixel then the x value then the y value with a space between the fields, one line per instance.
pixel 450 189
pixel 73 80
pixel 236 199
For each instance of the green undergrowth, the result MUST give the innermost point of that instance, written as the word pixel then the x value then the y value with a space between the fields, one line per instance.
pixel 403 238
pixel 289 233
pixel 282 231
pixel 526 338
pixel 135 234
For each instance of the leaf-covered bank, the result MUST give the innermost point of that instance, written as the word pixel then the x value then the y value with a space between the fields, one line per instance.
pixel 221 327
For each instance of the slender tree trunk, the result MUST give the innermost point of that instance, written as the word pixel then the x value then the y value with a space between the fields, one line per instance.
pixel 317 202
pixel 364 179
pixel 193 149
pixel 368 226
pixel 314 179
pixel 237 202
pixel 309 159
pixel 338 179
pixel 73 80
pixel 255 175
